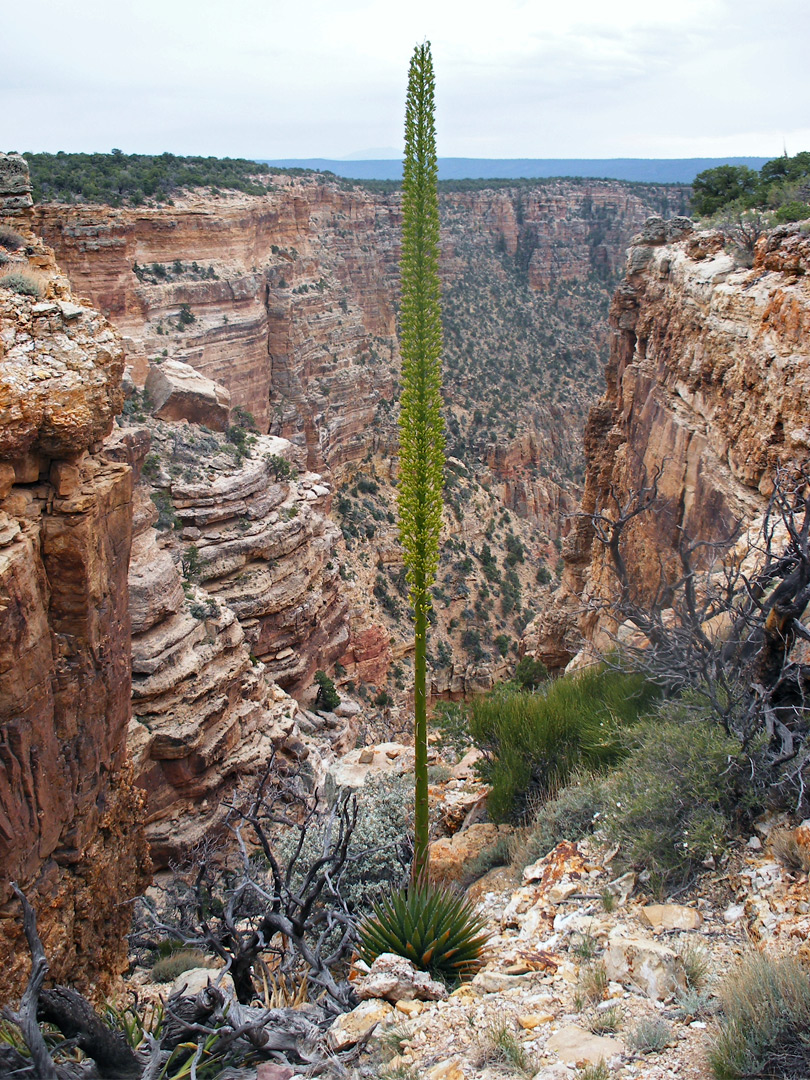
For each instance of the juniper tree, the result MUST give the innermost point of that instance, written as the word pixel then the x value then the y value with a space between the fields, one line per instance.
pixel 421 440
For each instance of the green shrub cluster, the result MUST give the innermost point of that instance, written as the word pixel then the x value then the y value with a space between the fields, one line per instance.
pixel 782 184
pixel 677 791
pixel 327 697
pixel 119 178
pixel 533 743
pixel 677 797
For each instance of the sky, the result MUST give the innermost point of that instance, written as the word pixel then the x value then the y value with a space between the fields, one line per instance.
pixel 327 78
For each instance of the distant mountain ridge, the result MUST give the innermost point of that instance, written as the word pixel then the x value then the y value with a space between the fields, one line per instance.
pixel 645 170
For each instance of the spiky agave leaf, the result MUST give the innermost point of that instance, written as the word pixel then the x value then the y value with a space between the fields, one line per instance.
pixel 436 929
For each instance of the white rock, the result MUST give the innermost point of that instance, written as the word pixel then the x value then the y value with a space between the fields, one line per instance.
pixel 191 982
pixel 575 1046
pixel 396 979
pixel 351 1027
pixel 646 965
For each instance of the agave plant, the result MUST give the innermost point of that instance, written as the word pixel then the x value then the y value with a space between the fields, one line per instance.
pixel 436 929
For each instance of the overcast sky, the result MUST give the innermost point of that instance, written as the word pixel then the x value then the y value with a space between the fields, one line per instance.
pixel 326 78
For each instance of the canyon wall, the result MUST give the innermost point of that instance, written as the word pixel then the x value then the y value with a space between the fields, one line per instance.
pixel 69 814
pixel 289 301
pixel 707 389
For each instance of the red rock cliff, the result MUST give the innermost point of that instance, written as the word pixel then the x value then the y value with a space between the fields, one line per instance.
pixel 707 385
pixel 69 831
pixel 290 298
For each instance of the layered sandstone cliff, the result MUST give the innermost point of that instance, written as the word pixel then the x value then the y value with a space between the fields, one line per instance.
pixel 69 815
pixel 289 300
pixel 707 389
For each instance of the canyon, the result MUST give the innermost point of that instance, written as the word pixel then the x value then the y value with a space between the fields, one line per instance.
pixel 169 584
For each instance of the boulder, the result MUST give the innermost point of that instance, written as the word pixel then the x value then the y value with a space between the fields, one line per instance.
pixel 672 917
pixel 576 1046
pixel 396 979
pixel 645 965
pixel 350 1028
pixel 450 856
pixel 191 982
pixel 178 391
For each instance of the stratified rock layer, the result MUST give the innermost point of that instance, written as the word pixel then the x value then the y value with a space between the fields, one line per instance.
pixel 69 816
pixel 289 301
pixel 708 384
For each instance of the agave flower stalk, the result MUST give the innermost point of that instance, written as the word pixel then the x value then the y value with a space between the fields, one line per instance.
pixel 421 440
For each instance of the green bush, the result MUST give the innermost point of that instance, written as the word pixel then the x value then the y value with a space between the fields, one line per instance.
pixel 380 847
pixel 766 1023
pixel 327 697
pixel 436 929
pixel 20 282
pixel 532 743
pixel 677 797
pixel 780 183
pixel 650 1035
pixel 530 673
pixel 794 210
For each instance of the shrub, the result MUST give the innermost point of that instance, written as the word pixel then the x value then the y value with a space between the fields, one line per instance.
pixel 279 466
pixel 532 743
pixel 650 1036
pixel 503 1047
pixel 327 697
pixel 675 799
pixel 569 815
pixel 764 1031
pixel 592 984
pixel 436 929
pixel 169 967
pixel 530 673
pixel 19 282
pixel 794 210
pixel 380 847
pixel 606 1021
pixel 10 239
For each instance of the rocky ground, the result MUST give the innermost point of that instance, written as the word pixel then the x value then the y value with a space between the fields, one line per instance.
pixel 583 969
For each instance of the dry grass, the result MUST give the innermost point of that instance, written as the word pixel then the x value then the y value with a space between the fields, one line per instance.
pixel 764 1033
pixel 24 282
pixel 789 853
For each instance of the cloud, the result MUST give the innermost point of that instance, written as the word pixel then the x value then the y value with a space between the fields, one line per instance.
pixel 519 79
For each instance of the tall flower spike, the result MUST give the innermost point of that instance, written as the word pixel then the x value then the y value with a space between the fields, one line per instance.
pixel 421 430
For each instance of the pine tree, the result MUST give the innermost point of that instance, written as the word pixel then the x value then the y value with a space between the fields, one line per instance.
pixel 421 439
